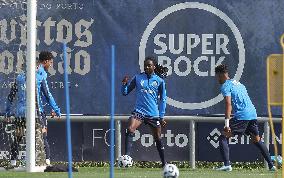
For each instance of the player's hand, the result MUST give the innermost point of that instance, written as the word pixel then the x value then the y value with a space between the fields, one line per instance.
pixel 125 80
pixel 53 114
pixel 58 113
pixel 163 123
pixel 44 130
pixel 227 132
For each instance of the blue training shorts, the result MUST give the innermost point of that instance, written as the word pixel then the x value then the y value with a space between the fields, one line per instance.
pixel 153 122
pixel 247 127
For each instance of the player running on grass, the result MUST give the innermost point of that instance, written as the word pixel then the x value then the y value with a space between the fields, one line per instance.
pixel 244 120
pixel 43 95
pixel 150 103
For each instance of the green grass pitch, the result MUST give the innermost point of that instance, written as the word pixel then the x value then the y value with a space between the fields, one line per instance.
pixel 144 173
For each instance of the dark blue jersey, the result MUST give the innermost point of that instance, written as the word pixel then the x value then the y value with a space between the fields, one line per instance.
pixel 150 93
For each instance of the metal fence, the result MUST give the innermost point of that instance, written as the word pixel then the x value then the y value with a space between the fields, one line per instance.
pixel 192 120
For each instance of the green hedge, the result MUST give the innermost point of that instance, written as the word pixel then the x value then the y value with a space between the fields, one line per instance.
pixel 151 164
pixel 182 164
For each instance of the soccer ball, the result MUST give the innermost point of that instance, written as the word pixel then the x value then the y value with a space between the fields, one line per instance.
pixel 125 161
pixel 170 171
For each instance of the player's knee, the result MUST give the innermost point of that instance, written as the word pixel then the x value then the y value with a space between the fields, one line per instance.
pixel 44 135
pixel 130 132
pixel 221 137
pixel 44 130
pixel 131 129
pixel 157 138
pixel 159 142
pixel 157 135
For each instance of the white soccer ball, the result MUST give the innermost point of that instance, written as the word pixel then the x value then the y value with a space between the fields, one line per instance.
pixel 170 171
pixel 125 161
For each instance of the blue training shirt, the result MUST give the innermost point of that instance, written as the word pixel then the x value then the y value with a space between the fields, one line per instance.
pixel 241 103
pixel 18 92
pixel 43 91
pixel 150 93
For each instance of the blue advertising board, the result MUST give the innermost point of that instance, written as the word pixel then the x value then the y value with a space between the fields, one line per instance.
pixel 91 142
pixel 188 37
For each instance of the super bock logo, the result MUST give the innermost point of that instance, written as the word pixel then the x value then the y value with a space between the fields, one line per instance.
pixel 191 39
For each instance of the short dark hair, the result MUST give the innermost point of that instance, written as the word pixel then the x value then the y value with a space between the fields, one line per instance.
pixel 222 69
pixel 44 56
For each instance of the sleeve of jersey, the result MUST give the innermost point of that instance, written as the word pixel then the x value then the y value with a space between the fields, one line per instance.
pixel 226 90
pixel 10 99
pixel 49 98
pixel 126 89
pixel 163 99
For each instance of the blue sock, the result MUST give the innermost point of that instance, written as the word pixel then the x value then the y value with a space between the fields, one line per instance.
pixel 224 149
pixel 264 152
pixel 161 149
pixel 128 142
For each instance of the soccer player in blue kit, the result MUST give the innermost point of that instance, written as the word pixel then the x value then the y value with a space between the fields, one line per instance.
pixel 17 95
pixel 43 95
pixel 150 103
pixel 244 120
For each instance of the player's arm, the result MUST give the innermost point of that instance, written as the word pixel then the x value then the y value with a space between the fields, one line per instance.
pixel 127 87
pixel 10 99
pixel 226 92
pixel 49 98
pixel 228 111
pixel 163 102
pixel 228 107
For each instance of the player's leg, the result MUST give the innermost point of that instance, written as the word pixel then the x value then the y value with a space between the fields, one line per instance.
pixel 252 130
pixel 14 146
pixel 40 148
pixel 46 146
pixel 18 136
pixel 14 149
pixel 224 143
pixel 238 127
pixel 133 123
pixel 156 130
pixel 44 135
pixel 225 151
